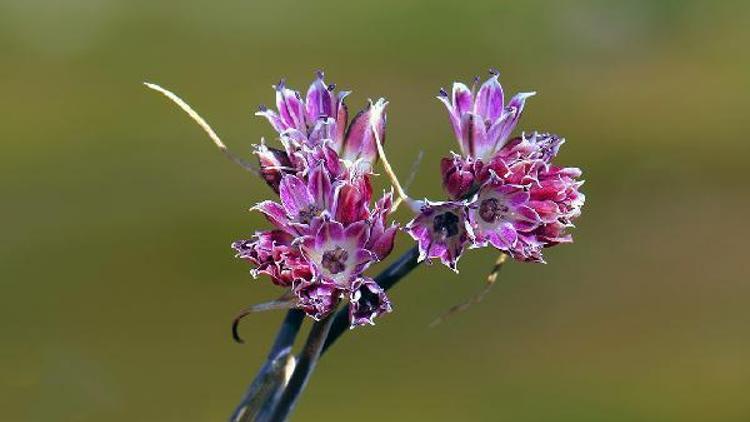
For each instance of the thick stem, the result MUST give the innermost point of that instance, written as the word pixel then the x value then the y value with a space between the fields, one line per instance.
pixel 271 376
pixel 261 391
pixel 305 366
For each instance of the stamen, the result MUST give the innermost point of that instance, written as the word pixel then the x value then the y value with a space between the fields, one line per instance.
pixel 206 128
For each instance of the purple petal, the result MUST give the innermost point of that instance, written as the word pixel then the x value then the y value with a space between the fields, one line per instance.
pixel 360 140
pixel 291 108
pixel 473 133
pixel 342 116
pixel 504 237
pixel 454 118
pixel 503 127
pixel 518 198
pixel 273 118
pixel 319 102
pixel 330 231
pixel 462 98
pixel 382 244
pixel 319 186
pixel 489 101
pixel 357 232
pixel 317 298
pixel 275 213
pixel 350 205
pixel 274 163
pixel 294 195
pixel 324 129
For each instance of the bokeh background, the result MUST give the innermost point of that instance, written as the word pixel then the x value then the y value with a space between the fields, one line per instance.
pixel 118 284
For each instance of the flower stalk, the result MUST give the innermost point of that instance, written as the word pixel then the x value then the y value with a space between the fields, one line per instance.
pixel 306 363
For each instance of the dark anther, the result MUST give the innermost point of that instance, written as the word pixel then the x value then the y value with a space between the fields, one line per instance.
pixel 446 223
pixel 335 260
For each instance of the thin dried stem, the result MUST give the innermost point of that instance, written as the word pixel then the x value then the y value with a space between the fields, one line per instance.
pixel 402 197
pixel 414 168
pixel 410 180
pixel 491 278
pixel 206 128
pixel 286 301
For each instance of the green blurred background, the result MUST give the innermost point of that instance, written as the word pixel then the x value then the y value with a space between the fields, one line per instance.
pixel 118 284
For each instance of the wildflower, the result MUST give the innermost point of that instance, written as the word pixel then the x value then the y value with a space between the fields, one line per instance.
pixel 337 254
pixel 316 298
pixel 324 224
pixel 515 199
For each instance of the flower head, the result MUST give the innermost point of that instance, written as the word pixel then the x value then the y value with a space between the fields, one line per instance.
pixel 326 230
pixel 517 200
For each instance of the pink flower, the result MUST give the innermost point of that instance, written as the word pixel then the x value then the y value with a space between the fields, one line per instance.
pixel 441 230
pixel 325 227
pixel 518 201
pixel 317 298
pixel 337 254
pixel 367 301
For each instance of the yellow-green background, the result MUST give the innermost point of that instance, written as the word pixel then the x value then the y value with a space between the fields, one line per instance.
pixel 116 213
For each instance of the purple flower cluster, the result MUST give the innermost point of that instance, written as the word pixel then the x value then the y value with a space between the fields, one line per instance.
pixel 326 230
pixel 503 191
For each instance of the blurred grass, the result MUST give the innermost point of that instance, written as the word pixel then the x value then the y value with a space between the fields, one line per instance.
pixel 118 283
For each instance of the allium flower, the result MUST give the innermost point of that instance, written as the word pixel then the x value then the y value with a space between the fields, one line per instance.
pixel 336 254
pixel 441 230
pixel 517 200
pixel 325 231
pixel 368 300
pixel 317 298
